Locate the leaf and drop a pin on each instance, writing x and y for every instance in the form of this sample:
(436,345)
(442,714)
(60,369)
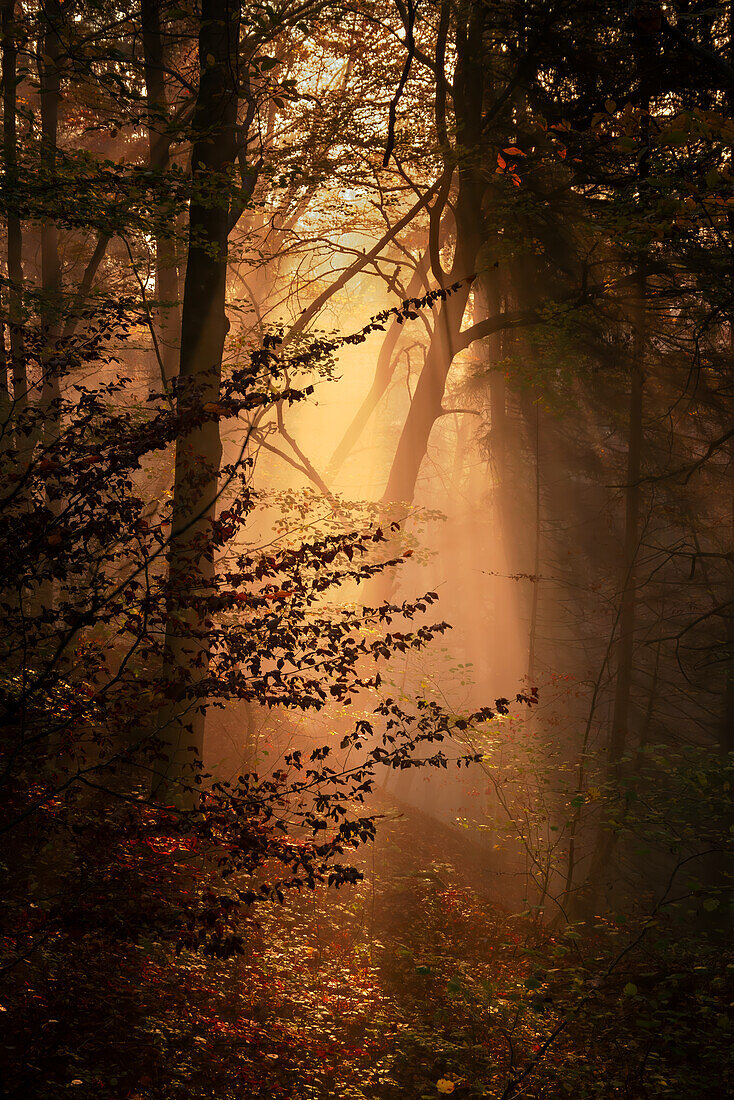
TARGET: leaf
(675,137)
(513,151)
(501,161)
(711,904)
(444,1085)
(630,990)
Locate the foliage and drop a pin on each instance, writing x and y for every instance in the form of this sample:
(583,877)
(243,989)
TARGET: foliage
(569,175)
(339,993)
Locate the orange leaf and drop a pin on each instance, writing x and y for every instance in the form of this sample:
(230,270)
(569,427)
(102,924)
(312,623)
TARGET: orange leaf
(513,151)
(501,161)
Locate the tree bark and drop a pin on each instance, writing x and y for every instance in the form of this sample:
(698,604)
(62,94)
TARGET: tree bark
(606,839)
(159,143)
(18,368)
(198,451)
(49,77)
(625,644)
(426,406)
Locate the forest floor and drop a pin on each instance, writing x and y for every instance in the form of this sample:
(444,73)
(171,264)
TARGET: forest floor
(416,982)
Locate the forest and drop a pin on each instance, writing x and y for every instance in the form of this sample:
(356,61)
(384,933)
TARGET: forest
(367,549)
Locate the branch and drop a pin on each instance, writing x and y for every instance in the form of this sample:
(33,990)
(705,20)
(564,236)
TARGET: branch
(366,258)
(410,42)
(497,323)
(707,56)
(690,470)
(308,467)
(87,279)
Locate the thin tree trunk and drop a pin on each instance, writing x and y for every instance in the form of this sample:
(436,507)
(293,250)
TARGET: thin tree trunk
(625,645)
(48,72)
(4,385)
(198,450)
(469,88)
(533,632)
(498,425)
(426,406)
(384,371)
(159,141)
(727,725)
(606,839)
(18,369)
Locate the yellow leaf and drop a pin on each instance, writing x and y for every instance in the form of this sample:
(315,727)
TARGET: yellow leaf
(444,1085)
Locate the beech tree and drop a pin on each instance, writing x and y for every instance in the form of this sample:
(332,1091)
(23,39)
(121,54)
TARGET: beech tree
(516,219)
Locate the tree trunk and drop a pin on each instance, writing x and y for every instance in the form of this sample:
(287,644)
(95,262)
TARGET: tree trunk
(198,449)
(727,725)
(533,631)
(426,406)
(15,237)
(625,644)
(384,371)
(159,142)
(48,73)
(469,87)
(606,839)
(49,78)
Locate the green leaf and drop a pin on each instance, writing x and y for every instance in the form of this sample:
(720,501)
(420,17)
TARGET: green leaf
(630,990)
(675,137)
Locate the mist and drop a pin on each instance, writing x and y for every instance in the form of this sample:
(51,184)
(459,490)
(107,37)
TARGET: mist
(367,550)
